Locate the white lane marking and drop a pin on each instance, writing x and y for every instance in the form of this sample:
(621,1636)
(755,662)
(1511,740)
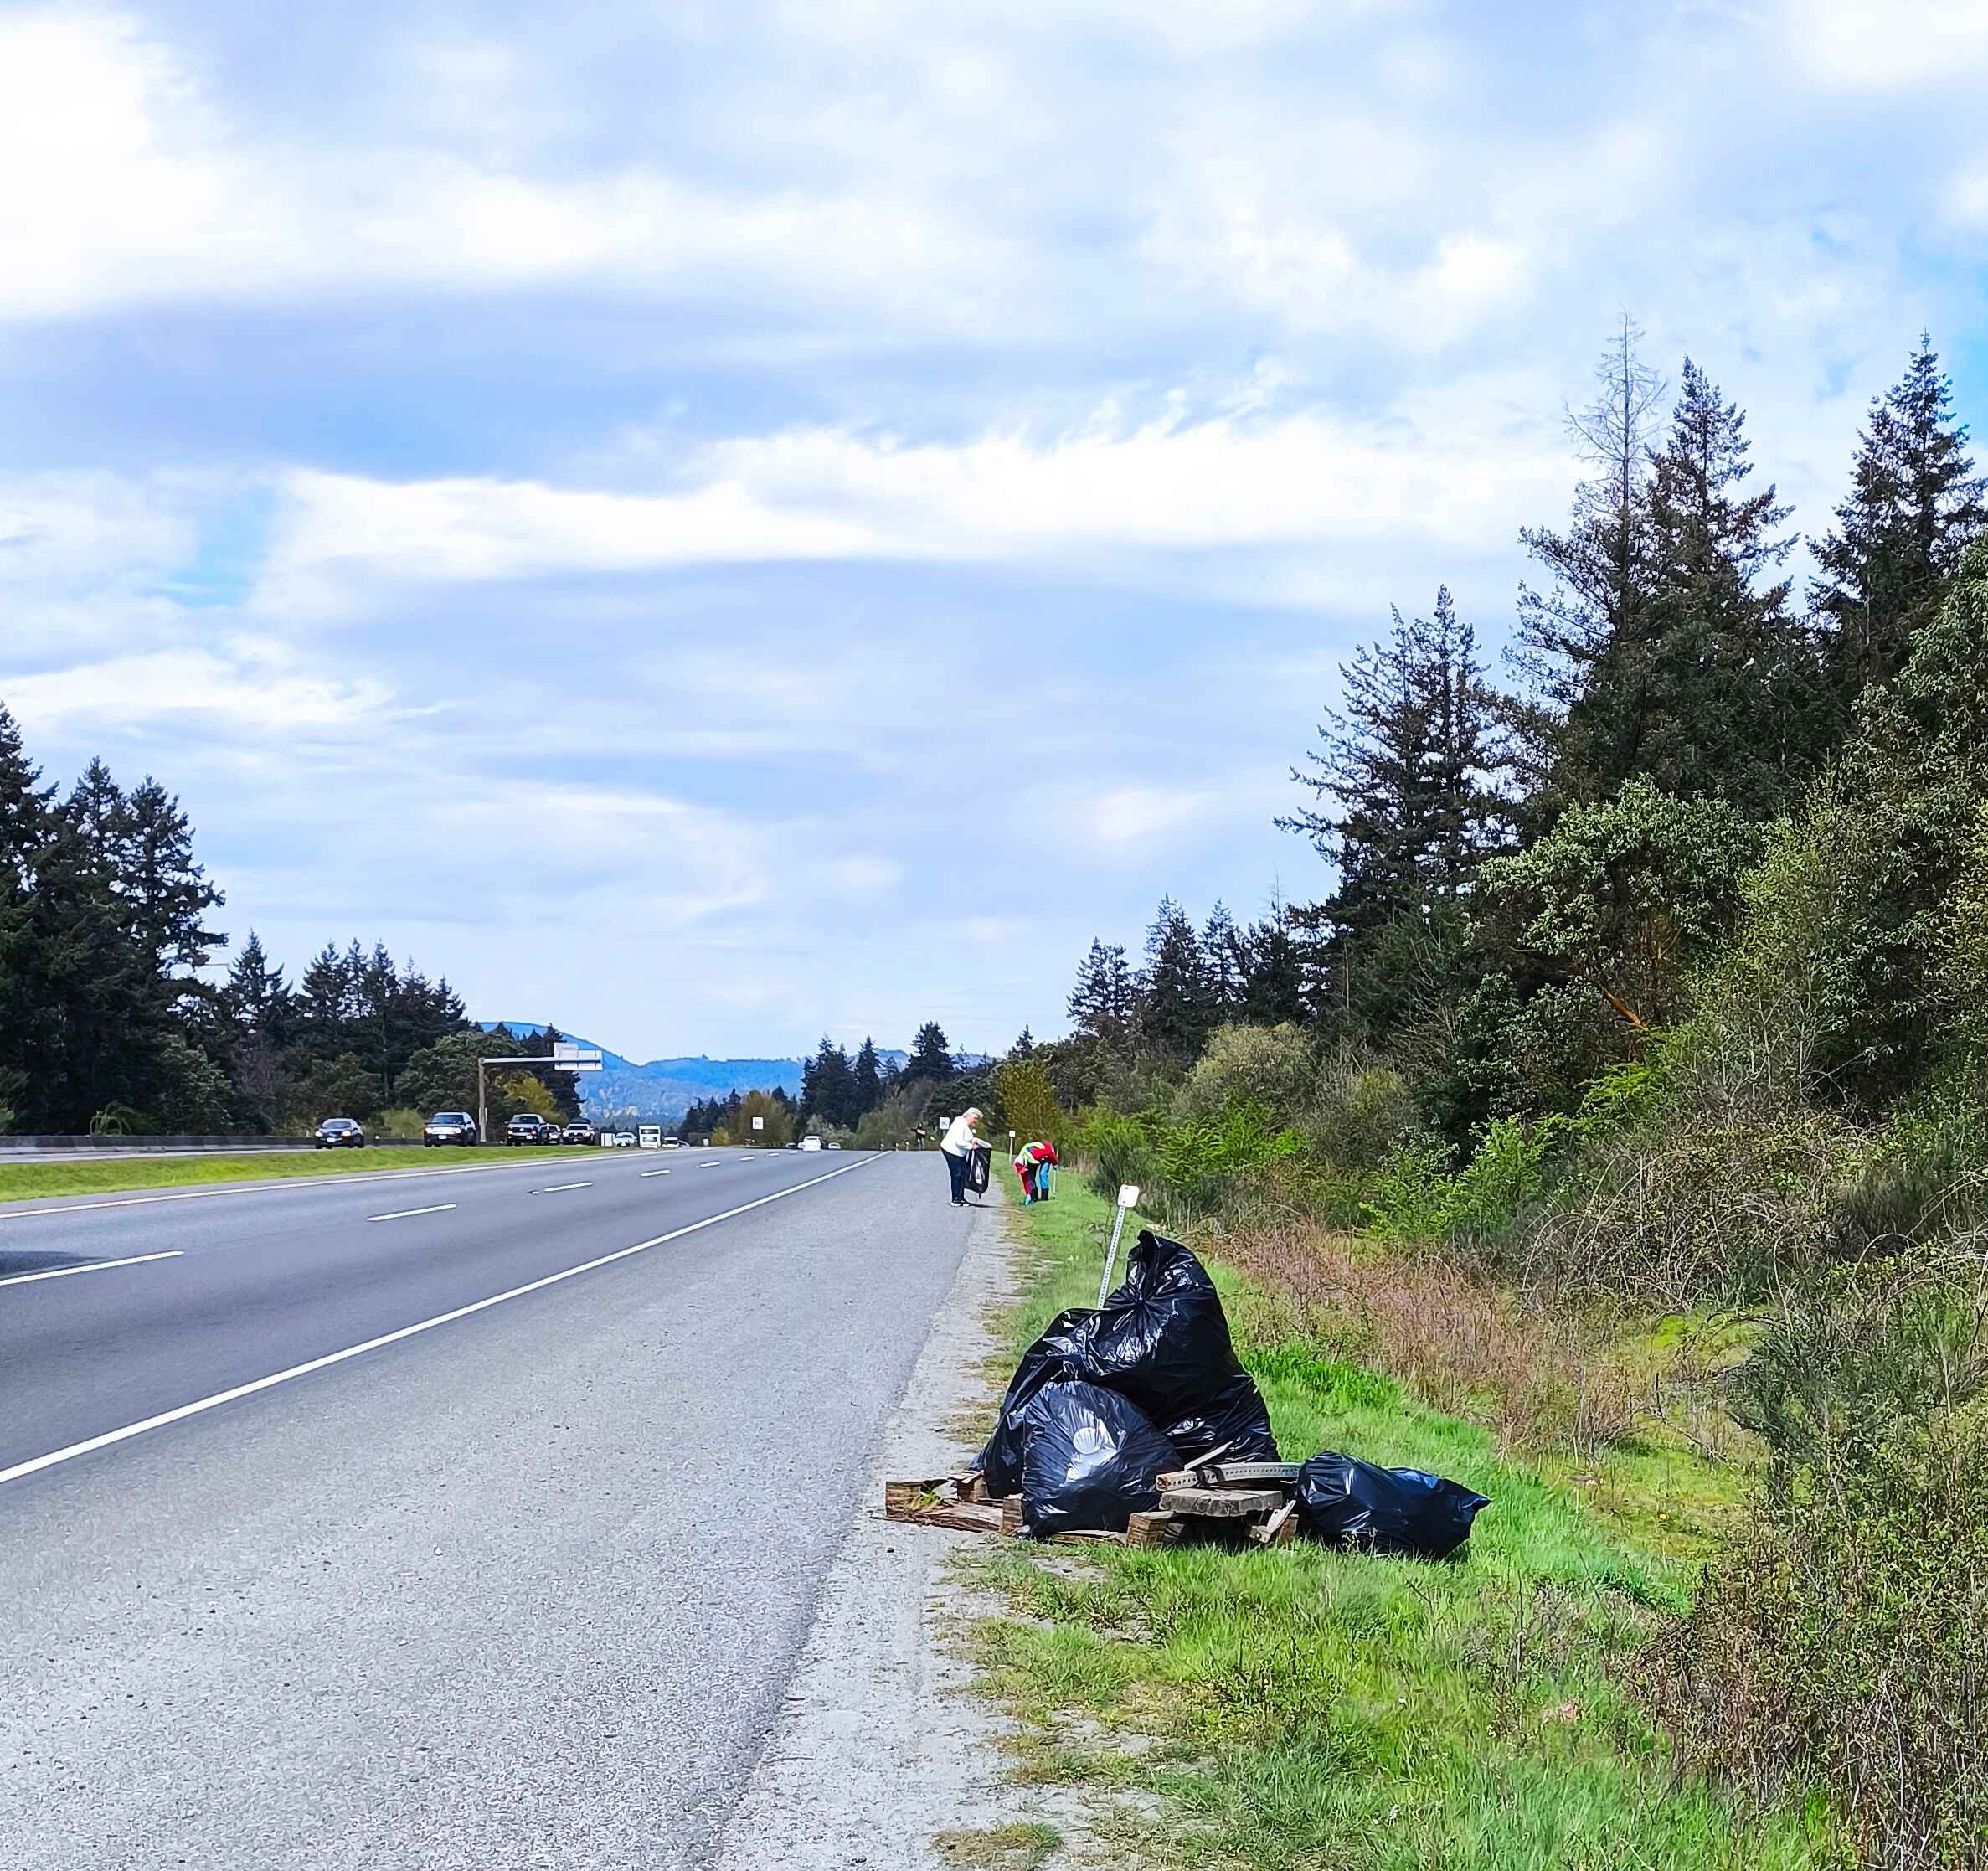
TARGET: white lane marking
(648,1173)
(560,1188)
(288,1183)
(167,1417)
(402,1215)
(91,1266)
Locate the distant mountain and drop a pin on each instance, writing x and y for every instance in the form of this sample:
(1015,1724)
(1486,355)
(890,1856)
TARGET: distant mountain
(664,1089)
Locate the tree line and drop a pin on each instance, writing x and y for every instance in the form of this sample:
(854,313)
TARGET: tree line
(1527,872)
(107,1021)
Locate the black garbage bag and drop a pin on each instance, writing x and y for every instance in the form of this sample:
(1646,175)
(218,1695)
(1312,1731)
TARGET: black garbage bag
(1161,1339)
(979,1161)
(1346,1501)
(1090,1460)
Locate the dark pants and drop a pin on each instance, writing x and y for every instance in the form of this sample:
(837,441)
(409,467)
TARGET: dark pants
(955,1167)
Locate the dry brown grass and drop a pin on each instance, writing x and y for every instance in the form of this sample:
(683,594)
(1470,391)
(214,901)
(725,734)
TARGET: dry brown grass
(1544,1379)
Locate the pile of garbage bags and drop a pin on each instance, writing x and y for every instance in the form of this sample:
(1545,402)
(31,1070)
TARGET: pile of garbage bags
(1110,1397)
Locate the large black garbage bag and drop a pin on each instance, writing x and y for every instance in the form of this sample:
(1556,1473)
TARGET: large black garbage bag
(1161,1339)
(1346,1502)
(979,1161)
(1089,1460)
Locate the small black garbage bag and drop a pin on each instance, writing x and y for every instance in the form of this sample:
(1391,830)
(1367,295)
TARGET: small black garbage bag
(1089,1460)
(1346,1501)
(1161,1339)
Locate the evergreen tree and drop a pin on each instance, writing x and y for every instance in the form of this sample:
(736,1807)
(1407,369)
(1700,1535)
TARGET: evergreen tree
(866,1081)
(1174,1005)
(931,1055)
(1274,985)
(1667,649)
(1100,1004)
(167,894)
(1407,806)
(1224,962)
(24,806)
(325,1005)
(1024,1046)
(1601,579)
(1914,503)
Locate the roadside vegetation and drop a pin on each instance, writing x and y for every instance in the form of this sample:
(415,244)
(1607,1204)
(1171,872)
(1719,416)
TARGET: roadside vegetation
(1296,1707)
(26,1182)
(1611,1137)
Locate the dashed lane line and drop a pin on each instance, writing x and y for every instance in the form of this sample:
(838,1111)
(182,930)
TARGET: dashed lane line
(35,1464)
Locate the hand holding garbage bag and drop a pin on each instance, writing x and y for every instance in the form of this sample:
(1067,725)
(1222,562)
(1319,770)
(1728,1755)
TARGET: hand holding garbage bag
(1346,1502)
(1160,1340)
(1089,1460)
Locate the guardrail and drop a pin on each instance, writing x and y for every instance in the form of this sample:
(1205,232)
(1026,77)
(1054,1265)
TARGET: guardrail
(142,1146)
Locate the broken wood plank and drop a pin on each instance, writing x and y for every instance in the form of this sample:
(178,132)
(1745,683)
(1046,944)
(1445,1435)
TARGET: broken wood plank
(965,1516)
(1083,1536)
(1281,1526)
(1010,1513)
(1223,1503)
(1157,1528)
(971,1486)
(908,1494)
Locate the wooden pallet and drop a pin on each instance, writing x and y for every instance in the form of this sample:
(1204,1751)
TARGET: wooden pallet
(1215,1499)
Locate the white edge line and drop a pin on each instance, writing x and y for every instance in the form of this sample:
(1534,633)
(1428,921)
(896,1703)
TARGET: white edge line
(266,1188)
(402,1215)
(91,1266)
(560,1188)
(166,1417)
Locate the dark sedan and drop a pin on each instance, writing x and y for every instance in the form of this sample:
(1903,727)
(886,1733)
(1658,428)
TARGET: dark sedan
(340,1133)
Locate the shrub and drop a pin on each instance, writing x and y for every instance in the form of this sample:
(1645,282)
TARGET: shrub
(1358,1111)
(1842,1640)
(1270,1067)
(401,1121)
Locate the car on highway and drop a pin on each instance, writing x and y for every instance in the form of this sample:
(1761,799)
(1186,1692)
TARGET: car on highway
(625,1140)
(448,1127)
(340,1133)
(580,1130)
(811,1141)
(672,1143)
(529,1127)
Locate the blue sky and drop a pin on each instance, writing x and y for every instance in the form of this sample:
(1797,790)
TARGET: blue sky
(711,523)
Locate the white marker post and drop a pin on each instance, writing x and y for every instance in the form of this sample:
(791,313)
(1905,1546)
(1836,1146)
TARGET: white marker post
(1128,1198)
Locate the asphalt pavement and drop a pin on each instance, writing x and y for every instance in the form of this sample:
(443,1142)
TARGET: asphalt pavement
(462,1517)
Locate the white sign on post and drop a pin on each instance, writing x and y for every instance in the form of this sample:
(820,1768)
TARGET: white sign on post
(759,1123)
(1128,1198)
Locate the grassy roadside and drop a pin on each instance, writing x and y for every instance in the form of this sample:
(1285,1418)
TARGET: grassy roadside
(24,1181)
(1299,1708)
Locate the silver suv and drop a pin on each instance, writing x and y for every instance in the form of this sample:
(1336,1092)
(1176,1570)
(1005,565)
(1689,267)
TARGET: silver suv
(448,1127)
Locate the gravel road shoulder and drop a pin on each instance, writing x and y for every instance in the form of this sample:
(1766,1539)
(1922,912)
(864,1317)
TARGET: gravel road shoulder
(880,1744)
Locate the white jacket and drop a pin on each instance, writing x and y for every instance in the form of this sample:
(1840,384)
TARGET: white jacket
(959,1137)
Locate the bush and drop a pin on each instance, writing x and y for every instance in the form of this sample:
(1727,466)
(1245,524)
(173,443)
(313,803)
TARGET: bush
(1843,1642)
(401,1123)
(1268,1067)
(1416,1197)
(1358,1111)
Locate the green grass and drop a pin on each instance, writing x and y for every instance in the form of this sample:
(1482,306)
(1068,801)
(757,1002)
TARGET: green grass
(1302,1707)
(22,1182)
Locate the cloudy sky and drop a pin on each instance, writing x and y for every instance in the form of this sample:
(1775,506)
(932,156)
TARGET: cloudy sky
(708,522)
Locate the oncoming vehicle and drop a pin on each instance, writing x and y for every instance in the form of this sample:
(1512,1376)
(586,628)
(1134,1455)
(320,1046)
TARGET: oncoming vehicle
(529,1127)
(580,1130)
(649,1135)
(811,1141)
(340,1133)
(448,1127)
(625,1140)
(672,1143)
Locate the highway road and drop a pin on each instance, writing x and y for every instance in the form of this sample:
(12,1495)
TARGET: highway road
(469,1517)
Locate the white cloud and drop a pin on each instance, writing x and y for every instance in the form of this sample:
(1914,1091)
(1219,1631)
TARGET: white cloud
(1870,45)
